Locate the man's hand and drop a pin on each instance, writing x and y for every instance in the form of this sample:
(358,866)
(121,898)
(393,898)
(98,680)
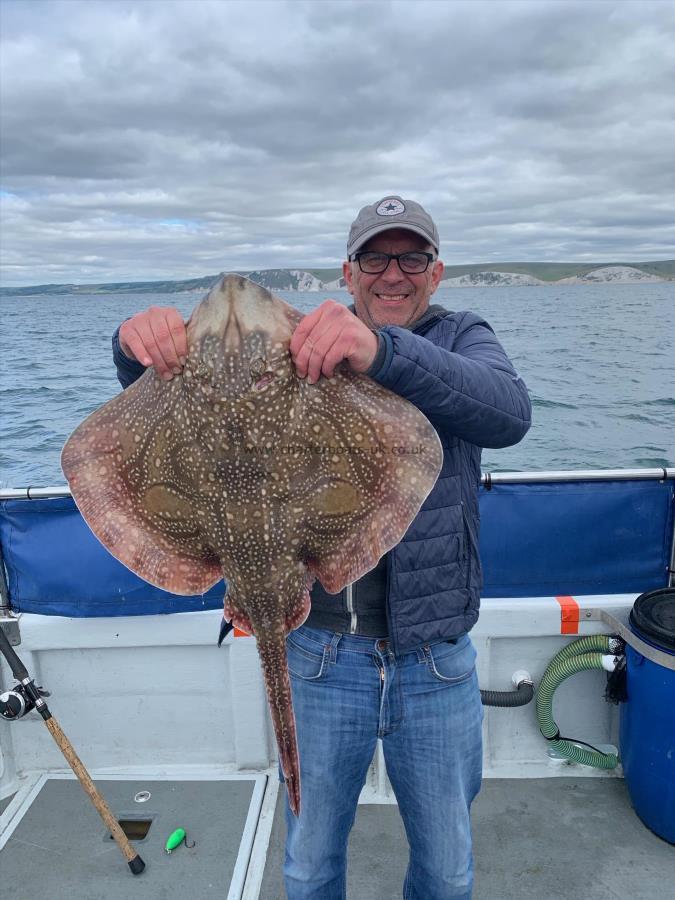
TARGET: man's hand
(328,335)
(156,337)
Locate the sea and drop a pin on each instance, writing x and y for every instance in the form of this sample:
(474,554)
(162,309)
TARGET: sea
(598,360)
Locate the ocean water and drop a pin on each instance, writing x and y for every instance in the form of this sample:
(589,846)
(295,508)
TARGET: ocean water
(599,362)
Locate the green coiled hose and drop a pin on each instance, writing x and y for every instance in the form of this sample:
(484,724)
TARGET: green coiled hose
(584,653)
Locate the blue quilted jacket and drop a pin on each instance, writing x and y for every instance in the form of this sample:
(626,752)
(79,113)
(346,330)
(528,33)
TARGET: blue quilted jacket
(459,376)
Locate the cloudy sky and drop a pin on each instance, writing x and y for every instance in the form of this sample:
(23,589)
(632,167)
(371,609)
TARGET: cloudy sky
(154,140)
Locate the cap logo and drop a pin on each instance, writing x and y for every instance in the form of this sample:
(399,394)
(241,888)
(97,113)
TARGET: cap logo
(390,208)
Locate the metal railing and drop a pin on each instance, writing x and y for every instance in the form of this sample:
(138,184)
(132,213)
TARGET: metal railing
(487,480)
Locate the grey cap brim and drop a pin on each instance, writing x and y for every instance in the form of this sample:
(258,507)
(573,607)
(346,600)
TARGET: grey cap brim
(388,226)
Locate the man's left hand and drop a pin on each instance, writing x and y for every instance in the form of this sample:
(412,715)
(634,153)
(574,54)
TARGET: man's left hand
(328,335)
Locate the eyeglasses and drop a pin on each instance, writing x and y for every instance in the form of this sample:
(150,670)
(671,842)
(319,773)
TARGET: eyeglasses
(373,262)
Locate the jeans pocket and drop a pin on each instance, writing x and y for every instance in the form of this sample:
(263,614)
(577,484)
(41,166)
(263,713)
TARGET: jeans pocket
(305,662)
(451,663)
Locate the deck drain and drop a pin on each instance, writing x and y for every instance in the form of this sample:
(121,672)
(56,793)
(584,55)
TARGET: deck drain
(135,829)
(142,796)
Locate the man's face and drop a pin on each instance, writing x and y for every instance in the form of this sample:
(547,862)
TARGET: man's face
(393,297)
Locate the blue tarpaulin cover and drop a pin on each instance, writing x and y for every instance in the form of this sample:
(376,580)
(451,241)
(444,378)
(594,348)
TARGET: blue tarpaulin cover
(56,567)
(540,539)
(580,537)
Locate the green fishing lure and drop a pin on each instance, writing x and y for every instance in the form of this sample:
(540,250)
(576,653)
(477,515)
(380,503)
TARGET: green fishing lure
(175,839)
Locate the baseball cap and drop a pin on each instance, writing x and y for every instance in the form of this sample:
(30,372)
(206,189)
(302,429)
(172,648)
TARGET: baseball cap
(391,212)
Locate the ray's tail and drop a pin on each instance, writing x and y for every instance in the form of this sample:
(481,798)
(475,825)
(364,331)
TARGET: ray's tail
(272,653)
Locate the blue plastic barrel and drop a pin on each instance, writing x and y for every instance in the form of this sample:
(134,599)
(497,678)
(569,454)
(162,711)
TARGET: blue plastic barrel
(647,717)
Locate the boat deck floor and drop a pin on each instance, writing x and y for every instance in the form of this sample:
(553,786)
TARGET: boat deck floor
(538,838)
(533,838)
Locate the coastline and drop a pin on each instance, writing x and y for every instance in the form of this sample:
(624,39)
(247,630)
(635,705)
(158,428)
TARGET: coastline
(309,281)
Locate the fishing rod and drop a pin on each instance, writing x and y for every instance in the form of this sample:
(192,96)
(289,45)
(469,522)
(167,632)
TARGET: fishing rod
(26,696)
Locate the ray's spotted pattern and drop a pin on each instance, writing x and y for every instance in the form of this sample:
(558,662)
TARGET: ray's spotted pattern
(239,469)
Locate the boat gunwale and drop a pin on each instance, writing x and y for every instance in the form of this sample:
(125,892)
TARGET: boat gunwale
(487,480)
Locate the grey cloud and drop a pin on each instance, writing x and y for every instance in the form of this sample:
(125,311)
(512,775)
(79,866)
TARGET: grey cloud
(530,130)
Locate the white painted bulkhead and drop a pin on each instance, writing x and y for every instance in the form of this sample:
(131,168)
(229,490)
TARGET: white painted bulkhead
(156,692)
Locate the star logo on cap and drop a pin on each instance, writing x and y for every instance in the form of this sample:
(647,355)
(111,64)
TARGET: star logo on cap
(390,207)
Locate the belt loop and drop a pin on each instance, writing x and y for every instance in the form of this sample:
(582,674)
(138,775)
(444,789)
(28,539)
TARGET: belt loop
(423,654)
(332,647)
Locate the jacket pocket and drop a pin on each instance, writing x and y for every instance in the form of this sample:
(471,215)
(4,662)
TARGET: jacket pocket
(470,556)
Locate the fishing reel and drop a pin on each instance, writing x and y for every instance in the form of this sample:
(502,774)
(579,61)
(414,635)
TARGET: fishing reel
(18,702)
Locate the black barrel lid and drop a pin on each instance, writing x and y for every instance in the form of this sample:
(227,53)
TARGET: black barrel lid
(653,614)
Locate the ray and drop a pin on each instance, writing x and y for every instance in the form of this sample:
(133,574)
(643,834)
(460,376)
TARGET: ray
(239,469)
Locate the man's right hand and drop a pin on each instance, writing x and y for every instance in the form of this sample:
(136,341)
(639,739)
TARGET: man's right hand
(156,337)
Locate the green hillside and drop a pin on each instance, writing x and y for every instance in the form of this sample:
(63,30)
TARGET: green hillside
(326,274)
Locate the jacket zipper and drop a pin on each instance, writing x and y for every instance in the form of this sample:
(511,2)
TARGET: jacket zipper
(349,596)
(387,605)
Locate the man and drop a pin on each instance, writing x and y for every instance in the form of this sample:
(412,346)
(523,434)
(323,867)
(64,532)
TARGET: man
(391,657)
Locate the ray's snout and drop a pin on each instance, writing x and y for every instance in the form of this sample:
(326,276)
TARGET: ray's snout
(234,308)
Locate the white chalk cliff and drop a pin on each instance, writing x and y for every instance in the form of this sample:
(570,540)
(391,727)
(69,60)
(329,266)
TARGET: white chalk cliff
(300,280)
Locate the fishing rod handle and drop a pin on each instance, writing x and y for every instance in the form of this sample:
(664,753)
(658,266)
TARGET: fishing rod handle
(15,664)
(134,861)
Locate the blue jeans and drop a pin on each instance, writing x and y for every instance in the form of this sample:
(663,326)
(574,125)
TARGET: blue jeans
(349,690)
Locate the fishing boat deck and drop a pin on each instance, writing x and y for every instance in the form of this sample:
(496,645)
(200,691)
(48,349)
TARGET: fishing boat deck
(533,838)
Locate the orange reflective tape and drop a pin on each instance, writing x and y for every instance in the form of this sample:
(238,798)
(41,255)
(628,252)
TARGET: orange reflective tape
(569,615)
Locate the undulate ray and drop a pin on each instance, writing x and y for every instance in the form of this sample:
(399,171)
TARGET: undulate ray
(238,468)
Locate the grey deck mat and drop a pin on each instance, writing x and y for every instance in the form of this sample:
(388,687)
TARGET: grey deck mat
(61,850)
(533,839)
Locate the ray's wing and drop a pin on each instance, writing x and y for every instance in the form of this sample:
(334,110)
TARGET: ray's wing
(375,458)
(130,466)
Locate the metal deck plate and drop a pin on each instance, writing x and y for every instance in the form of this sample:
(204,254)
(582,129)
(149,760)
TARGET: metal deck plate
(61,849)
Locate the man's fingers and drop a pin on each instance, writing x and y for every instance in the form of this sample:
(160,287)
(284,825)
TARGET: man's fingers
(332,359)
(309,338)
(315,362)
(301,359)
(152,349)
(328,351)
(178,332)
(303,330)
(161,330)
(132,344)
(157,337)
